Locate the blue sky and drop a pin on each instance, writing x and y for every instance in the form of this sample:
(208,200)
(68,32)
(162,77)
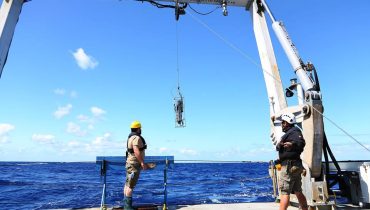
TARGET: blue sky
(79,73)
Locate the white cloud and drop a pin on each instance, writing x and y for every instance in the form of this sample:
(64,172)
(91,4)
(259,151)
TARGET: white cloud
(62,111)
(163,150)
(59,91)
(43,138)
(104,143)
(75,129)
(258,152)
(74,144)
(84,118)
(4,130)
(83,60)
(186,151)
(97,112)
(73,147)
(102,140)
(22,149)
(63,92)
(73,94)
(100,145)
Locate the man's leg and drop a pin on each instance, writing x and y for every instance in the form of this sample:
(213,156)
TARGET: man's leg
(128,198)
(131,179)
(284,202)
(285,187)
(127,191)
(302,200)
(132,176)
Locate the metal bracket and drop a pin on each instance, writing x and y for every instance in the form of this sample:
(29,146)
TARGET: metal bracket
(224,7)
(178,10)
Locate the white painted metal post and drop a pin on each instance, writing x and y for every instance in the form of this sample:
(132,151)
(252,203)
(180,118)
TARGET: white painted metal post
(271,73)
(9,14)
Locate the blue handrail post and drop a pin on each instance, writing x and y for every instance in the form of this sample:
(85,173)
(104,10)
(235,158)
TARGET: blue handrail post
(103,171)
(165,185)
(106,163)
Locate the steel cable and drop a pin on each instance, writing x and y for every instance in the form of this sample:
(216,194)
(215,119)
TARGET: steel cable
(260,67)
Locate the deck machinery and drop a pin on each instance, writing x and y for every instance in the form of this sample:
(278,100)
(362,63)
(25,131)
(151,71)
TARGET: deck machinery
(351,177)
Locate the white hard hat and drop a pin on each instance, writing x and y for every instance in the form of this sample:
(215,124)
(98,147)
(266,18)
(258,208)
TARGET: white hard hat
(289,118)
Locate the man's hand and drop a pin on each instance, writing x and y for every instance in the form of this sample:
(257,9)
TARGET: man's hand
(144,166)
(151,165)
(287,145)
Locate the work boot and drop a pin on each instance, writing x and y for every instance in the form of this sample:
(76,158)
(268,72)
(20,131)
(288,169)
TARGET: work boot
(128,203)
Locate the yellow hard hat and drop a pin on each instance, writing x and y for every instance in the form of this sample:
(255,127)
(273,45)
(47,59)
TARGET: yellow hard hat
(136,124)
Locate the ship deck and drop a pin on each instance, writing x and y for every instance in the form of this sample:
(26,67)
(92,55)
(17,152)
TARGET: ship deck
(234,206)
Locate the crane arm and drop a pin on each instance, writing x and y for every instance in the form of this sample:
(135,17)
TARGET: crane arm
(311,107)
(290,50)
(9,14)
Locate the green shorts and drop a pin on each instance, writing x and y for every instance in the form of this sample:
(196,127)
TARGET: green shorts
(290,180)
(132,175)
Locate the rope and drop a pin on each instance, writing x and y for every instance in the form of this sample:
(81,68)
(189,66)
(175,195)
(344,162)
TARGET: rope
(260,67)
(345,132)
(158,5)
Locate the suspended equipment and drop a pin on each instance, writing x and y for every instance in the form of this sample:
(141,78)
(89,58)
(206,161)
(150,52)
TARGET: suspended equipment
(178,99)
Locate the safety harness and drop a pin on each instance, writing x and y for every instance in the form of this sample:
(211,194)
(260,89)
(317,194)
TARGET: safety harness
(131,151)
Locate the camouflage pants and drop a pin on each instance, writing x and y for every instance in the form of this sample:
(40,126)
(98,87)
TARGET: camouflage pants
(132,174)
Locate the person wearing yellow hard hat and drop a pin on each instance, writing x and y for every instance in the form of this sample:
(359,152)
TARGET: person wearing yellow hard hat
(135,155)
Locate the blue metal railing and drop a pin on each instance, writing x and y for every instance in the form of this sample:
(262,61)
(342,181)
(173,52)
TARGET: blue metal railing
(106,163)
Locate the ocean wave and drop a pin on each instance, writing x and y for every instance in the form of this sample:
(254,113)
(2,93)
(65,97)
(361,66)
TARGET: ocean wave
(215,200)
(13,183)
(72,185)
(30,164)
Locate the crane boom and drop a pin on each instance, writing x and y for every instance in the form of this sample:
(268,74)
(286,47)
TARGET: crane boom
(9,14)
(310,111)
(290,50)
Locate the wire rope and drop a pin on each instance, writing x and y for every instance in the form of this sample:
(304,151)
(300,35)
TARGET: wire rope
(245,55)
(177,57)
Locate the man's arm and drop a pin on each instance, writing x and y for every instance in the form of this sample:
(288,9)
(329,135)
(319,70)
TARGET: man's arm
(298,141)
(139,157)
(278,146)
(299,144)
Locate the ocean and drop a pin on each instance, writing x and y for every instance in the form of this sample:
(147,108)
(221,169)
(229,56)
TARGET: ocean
(64,185)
